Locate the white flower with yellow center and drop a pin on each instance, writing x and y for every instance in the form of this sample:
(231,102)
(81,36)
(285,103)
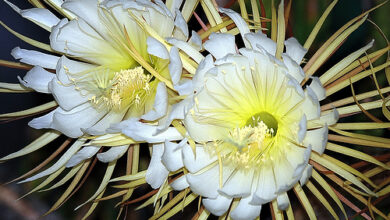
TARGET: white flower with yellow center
(104,74)
(254,125)
(250,122)
(111,85)
(114,65)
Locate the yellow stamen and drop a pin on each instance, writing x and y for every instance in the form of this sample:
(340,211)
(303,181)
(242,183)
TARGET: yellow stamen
(127,87)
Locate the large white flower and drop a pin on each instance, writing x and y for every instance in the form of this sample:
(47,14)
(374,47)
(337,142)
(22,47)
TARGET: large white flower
(113,65)
(111,69)
(110,85)
(250,119)
(254,126)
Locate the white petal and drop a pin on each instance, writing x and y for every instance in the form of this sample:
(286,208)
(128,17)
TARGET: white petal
(245,210)
(195,40)
(199,78)
(156,173)
(293,68)
(174,4)
(238,185)
(188,49)
(302,128)
(38,79)
(40,16)
(175,65)
(160,105)
(177,112)
(44,121)
(330,118)
(156,48)
(195,163)
(310,106)
(300,161)
(217,206)
(156,15)
(161,19)
(317,138)
(78,39)
(306,174)
(181,23)
(85,153)
(240,23)
(67,96)
(293,83)
(136,34)
(295,50)
(65,66)
(266,187)
(260,39)
(316,86)
(165,9)
(180,183)
(205,184)
(283,201)
(185,87)
(88,11)
(35,58)
(220,45)
(59,163)
(202,132)
(283,172)
(114,153)
(139,131)
(71,122)
(172,158)
(101,126)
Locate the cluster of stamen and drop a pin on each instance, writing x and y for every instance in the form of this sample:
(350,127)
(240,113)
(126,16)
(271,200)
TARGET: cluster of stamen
(247,144)
(127,87)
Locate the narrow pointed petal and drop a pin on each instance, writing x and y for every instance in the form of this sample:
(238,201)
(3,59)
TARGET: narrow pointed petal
(180,183)
(156,173)
(172,157)
(160,105)
(295,50)
(84,154)
(245,210)
(38,79)
(114,153)
(195,163)
(41,16)
(35,58)
(217,206)
(156,48)
(260,39)
(220,45)
(175,65)
(317,138)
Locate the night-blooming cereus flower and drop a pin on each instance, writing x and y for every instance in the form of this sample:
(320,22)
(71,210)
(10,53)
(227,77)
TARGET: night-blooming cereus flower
(111,65)
(250,123)
(257,129)
(111,84)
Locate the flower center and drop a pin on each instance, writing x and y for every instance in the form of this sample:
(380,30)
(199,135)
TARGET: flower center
(266,118)
(248,146)
(125,88)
